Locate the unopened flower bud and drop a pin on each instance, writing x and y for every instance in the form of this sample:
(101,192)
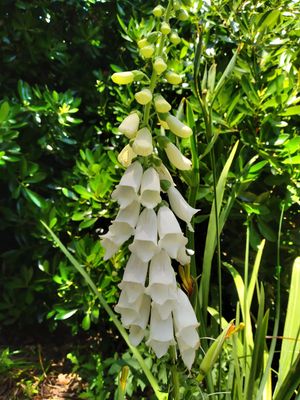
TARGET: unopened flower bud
(144,96)
(147,51)
(165,28)
(126,156)
(130,125)
(182,15)
(142,144)
(159,65)
(158,11)
(161,105)
(174,38)
(142,43)
(173,78)
(122,78)
(177,5)
(178,127)
(177,158)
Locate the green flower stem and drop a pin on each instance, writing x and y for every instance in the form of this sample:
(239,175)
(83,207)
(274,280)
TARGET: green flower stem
(153,382)
(154,75)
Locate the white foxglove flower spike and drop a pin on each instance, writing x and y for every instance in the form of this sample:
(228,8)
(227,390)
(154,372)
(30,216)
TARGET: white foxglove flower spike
(150,188)
(161,333)
(169,231)
(162,281)
(144,244)
(130,125)
(126,191)
(142,144)
(180,207)
(126,156)
(134,278)
(177,158)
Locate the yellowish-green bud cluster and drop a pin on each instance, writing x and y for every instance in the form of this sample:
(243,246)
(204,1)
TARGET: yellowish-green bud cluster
(142,43)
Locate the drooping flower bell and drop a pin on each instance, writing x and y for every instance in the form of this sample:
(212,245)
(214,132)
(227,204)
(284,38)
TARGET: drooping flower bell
(150,188)
(130,125)
(180,206)
(142,144)
(177,158)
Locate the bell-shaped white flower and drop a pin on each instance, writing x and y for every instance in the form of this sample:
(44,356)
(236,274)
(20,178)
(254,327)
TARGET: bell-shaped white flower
(173,78)
(161,105)
(180,207)
(111,244)
(134,278)
(177,158)
(150,188)
(137,329)
(144,244)
(161,332)
(185,323)
(129,311)
(126,156)
(170,234)
(129,214)
(126,191)
(130,125)
(120,231)
(142,144)
(177,127)
(162,281)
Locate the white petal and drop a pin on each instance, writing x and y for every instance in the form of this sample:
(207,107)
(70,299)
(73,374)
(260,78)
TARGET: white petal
(177,158)
(136,335)
(145,240)
(180,207)
(142,144)
(144,312)
(150,189)
(164,174)
(162,281)
(178,127)
(187,355)
(126,191)
(130,125)
(129,311)
(165,309)
(133,282)
(110,244)
(130,214)
(161,333)
(182,257)
(126,156)
(184,315)
(171,236)
(120,231)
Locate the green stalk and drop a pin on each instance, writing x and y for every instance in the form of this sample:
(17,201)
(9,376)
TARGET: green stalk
(153,382)
(175,375)
(246,281)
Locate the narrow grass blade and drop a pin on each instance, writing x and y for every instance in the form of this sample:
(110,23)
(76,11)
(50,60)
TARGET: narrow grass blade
(290,348)
(211,239)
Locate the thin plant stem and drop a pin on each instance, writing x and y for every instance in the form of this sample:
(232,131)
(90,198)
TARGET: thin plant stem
(175,375)
(153,382)
(246,279)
